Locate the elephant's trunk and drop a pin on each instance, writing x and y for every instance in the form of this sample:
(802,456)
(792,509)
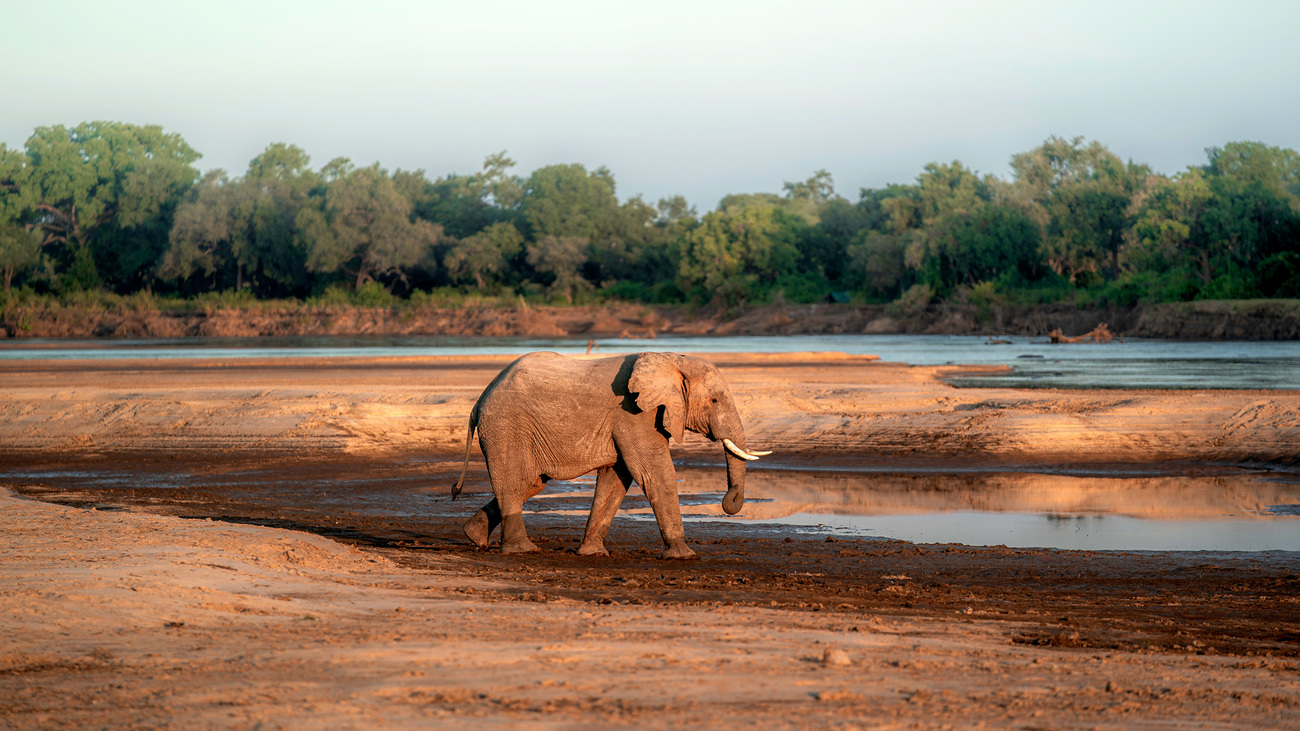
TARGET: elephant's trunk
(725,427)
(735,497)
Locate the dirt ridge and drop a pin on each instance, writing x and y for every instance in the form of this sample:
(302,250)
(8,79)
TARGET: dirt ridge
(1226,320)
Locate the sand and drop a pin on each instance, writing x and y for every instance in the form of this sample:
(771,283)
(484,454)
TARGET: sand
(804,405)
(263,607)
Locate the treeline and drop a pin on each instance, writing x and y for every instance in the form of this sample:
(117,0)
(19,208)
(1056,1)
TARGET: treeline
(122,208)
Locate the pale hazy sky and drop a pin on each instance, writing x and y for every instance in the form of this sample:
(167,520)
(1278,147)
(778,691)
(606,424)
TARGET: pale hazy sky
(699,98)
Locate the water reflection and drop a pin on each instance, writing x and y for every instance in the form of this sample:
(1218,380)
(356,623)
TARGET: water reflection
(1236,511)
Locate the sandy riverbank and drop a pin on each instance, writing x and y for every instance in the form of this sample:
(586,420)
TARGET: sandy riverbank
(268,603)
(804,405)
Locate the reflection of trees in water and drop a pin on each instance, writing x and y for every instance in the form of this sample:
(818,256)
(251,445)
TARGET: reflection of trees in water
(1161,498)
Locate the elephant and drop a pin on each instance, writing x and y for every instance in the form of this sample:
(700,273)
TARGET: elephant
(547,416)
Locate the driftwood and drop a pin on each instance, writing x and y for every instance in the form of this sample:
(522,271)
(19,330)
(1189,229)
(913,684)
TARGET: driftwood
(1099,334)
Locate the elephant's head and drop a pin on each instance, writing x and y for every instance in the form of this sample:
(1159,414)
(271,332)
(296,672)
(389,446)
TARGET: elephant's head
(695,397)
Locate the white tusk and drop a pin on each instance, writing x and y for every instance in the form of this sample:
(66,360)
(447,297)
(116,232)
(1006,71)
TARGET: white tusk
(731,447)
(761,454)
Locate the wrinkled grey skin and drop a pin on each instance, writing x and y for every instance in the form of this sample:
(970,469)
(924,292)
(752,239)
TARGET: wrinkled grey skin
(550,417)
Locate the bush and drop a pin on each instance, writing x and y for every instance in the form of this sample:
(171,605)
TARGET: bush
(659,293)
(913,302)
(800,287)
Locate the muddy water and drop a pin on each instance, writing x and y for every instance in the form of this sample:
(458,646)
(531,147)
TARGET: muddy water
(1231,510)
(1197,509)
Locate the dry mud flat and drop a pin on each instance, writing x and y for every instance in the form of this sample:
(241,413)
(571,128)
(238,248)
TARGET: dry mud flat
(267,604)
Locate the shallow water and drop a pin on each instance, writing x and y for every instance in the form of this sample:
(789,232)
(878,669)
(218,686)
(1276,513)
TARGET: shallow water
(1205,509)
(1231,511)
(1035,363)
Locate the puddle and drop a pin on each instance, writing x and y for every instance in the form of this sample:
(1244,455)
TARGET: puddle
(1237,511)
(1201,508)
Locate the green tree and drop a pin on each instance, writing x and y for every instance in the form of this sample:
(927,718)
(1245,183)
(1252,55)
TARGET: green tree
(875,208)
(740,201)
(988,243)
(1171,225)
(940,190)
(20,244)
(731,254)
(485,257)
(267,249)
(202,233)
(1255,212)
(566,200)
(672,210)
(562,258)
(1090,219)
(1233,224)
(364,230)
(244,232)
(466,204)
(20,249)
(877,264)
(1275,169)
(101,174)
(807,198)
(1081,196)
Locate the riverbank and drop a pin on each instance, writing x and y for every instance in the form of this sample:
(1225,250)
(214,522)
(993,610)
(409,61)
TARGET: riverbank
(1226,320)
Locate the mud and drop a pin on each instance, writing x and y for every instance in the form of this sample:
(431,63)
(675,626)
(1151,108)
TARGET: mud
(1201,603)
(210,545)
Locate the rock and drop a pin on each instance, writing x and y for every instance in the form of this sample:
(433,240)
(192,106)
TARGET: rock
(836,695)
(836,658)
(1113,687)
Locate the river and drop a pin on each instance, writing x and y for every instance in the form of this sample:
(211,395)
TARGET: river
(1034,362)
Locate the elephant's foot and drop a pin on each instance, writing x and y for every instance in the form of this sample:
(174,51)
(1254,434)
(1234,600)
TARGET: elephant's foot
(477,529)
(679,551)
(522,546)
(592,549)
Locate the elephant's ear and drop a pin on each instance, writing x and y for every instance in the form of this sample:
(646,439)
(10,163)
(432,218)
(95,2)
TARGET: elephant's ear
(656,380)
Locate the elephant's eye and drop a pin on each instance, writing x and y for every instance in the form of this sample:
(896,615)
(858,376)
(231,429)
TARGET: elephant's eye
(715,401)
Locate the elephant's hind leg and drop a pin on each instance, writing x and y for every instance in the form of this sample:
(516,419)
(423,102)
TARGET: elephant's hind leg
(514,538)
(611,486)
(479,528)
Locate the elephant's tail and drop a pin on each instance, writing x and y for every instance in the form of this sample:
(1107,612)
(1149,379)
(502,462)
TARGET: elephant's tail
(469,440)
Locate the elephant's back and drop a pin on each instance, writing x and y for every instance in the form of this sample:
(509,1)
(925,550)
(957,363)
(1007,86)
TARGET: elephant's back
(548,384)
(548,372)
(554,412)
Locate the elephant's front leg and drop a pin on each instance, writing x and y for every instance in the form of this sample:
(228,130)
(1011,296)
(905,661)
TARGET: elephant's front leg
(659,480)
(611,486)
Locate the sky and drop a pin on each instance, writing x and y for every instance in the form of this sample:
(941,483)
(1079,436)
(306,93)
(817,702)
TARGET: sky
(695,98)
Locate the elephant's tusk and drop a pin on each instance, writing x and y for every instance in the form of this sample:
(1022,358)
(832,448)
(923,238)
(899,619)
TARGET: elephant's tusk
(756,453)
(731,447)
